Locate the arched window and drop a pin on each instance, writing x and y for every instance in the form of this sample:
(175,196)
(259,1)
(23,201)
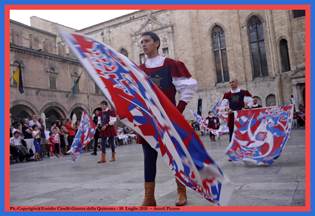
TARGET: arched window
(124,52)
(284,55)
(258,100)
(271,100)
(257,45)
(220,55)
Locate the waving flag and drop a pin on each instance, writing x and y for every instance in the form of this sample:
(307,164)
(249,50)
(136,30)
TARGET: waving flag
(224,129)
(201,121)
(203,126)
(260,134)
(221,131)
(84,135)
(219,112)
(140,105)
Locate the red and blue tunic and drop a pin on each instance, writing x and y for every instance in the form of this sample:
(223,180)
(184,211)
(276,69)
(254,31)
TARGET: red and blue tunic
(213,122)
(236,102)
(162,77)
(110,130)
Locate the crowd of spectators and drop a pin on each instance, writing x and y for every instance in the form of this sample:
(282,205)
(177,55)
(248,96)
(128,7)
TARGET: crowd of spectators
(33,141)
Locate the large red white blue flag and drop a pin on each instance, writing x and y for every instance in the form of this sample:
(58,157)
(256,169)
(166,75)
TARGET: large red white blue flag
(84,135)
(260,134)
(143,107)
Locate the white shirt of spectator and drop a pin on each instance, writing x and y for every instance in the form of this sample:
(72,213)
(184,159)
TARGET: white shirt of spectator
(47,134)
(32,123)
(36,132)
(16,141)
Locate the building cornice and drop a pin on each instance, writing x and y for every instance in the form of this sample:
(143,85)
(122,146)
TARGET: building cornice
(32,28)
(41,54)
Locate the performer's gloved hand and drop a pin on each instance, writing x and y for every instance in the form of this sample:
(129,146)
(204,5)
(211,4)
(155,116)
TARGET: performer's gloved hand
(181,106)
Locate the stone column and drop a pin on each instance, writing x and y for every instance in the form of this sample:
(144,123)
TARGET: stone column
(295,96)
(298,94)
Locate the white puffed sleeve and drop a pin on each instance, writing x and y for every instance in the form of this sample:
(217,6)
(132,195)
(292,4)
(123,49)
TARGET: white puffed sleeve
(99,120)
(248,101)
(112,120)
(186,86)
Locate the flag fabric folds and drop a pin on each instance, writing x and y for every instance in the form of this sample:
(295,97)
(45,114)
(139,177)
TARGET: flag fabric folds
(203,126)
(201,121)
(219,112)
(143,107)
(260,134)
(17,76)
(224,129)
(84,135)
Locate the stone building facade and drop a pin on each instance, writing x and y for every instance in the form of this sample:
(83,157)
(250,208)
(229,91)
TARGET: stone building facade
(263,49)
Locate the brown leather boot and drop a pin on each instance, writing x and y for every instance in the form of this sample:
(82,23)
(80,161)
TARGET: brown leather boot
(113,157)
(181,194)
(149,199)
(103,160)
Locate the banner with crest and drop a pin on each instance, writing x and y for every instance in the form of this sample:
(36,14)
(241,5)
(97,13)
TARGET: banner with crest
(260,135)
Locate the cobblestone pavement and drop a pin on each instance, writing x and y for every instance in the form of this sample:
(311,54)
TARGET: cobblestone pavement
(58,182)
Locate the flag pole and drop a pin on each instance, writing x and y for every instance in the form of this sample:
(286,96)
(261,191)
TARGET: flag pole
(17,67)
(72,86)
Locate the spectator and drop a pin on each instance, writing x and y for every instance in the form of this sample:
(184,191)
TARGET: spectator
(300,120)
(43,141)
(19,129)
(53,125)
(71,132)
(303,118)
(47,132)
(34,121)
(294,123)
(12,129)
(36,136)
(63,134)
(76,126)
(97,132)
(28,138)
(56,141)
(47,136)
(255,104)
(51,145)
(301,108)
(292,100)
(16,142)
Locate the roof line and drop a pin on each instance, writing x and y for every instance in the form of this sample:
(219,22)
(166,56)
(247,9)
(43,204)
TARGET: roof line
(33,28)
